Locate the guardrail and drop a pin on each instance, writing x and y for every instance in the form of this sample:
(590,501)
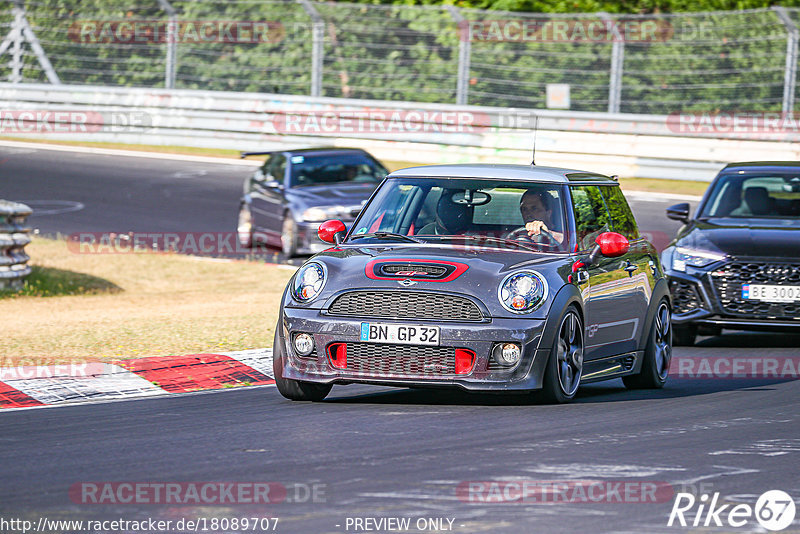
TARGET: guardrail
(647,146)
(13,238)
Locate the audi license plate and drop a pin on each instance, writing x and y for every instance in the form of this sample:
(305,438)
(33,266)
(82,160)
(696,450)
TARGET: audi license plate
(770,293)
(400,333)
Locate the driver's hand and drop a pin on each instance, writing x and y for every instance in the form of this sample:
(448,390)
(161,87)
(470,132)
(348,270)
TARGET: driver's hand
(535,227)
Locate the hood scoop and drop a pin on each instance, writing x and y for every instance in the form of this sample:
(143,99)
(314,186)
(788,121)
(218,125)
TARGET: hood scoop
(414,269)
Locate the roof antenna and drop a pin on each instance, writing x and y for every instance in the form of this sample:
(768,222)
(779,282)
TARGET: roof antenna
(535,129)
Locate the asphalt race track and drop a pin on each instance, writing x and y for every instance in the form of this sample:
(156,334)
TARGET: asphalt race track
(372,452)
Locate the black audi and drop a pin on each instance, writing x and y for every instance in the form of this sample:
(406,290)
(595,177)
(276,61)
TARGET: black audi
(287,198)
(503,278)
(736,263)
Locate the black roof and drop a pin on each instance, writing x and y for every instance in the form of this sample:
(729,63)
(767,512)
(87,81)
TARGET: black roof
(761,165)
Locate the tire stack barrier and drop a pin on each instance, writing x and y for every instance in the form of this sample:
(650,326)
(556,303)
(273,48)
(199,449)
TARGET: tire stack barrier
(14,235)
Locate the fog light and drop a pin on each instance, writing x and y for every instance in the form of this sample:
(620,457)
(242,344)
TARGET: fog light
(303,344)
(507,354)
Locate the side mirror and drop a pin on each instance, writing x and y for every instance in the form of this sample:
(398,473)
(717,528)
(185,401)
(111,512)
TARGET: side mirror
(679,212)
(272,183)
(332,231)
(610,245)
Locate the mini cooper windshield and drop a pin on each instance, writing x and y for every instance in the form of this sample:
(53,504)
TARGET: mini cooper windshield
(493,213)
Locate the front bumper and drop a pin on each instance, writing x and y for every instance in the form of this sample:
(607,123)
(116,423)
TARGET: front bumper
(478,337)
(697,301)
(308,242)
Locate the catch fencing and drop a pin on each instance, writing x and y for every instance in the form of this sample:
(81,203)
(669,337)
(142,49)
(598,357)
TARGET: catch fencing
(13,238)
(646,146)
(648,64)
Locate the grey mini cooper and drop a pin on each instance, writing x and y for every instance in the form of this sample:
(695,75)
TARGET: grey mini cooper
(495,278)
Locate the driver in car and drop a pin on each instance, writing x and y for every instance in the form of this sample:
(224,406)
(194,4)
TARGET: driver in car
(536,207)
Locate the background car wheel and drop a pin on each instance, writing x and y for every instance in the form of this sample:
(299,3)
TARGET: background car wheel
(684,335)
(564,369)
(245,227)
(294,389)
(289,236)
(657,354)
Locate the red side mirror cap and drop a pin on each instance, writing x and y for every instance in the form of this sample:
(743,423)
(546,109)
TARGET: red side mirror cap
(332,231)
(612,244)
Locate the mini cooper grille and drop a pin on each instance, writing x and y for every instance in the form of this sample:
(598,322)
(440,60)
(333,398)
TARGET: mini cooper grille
(400,360)
(405,305)
(729,278)
(432,270)
(684,296)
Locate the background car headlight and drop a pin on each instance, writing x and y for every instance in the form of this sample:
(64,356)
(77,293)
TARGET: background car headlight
(331,212)
(308,282)
(683,256)
(523,292)
(319,214)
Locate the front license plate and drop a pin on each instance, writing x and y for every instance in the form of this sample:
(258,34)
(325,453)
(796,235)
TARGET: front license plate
(400,333)
(770,293)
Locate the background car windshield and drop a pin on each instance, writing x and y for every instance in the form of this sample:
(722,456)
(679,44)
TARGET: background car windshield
(327,169)
(433,207)
(755,196)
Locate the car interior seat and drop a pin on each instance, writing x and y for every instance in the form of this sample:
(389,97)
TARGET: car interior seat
(758,200)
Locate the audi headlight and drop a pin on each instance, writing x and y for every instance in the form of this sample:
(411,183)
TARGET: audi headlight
(683,256)
(308,282)
(523,291)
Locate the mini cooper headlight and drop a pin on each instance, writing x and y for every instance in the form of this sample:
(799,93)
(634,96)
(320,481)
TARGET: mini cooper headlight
(523,291)
(308,282)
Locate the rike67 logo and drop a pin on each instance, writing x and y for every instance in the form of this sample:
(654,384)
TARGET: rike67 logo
(774,510)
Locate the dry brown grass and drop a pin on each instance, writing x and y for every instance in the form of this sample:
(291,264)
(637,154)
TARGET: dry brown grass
(142,304)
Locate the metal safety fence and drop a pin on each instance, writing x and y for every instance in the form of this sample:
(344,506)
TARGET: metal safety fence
(13,238)
(654,64)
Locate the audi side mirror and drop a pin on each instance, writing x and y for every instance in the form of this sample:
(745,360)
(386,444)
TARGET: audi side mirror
(679,212)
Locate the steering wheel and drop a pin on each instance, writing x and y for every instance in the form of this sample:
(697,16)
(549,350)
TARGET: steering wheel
(544,237)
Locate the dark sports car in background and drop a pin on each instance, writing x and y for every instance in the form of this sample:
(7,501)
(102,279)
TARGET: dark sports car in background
(736,263)
(502,278)
(287,198)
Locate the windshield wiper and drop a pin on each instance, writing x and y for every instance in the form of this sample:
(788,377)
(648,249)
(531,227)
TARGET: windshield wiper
(387,235)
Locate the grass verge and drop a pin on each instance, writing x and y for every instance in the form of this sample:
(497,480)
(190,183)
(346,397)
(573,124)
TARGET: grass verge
(81,307)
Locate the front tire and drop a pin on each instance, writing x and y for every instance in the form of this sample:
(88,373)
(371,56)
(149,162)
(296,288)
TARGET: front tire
(564,368)
(294,389)
(244,228)
(657,354)
(289,236)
